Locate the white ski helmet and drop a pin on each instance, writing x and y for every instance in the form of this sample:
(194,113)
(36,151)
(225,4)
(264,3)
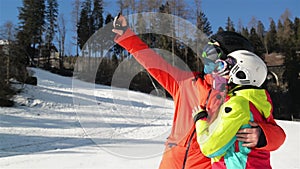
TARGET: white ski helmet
(249,69)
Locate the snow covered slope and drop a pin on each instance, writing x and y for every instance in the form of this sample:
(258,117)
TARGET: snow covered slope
(66,123)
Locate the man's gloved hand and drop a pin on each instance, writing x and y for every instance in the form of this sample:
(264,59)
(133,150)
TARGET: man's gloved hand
(200,118)
(120,24)
(199,113)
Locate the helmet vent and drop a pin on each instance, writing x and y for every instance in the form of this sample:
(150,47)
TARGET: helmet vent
(241,75)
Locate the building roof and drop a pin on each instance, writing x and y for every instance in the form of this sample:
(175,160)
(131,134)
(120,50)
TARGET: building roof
(274,59)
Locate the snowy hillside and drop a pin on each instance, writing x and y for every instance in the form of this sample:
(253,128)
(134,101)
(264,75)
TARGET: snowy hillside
(66,123)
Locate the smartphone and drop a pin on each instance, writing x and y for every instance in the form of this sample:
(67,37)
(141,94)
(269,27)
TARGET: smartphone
(117,23)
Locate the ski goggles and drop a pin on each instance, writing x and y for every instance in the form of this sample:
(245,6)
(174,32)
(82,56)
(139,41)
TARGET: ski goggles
(221,67)
(217,67)
(213,52)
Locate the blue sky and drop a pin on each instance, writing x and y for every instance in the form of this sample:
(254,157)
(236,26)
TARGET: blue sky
(216,11)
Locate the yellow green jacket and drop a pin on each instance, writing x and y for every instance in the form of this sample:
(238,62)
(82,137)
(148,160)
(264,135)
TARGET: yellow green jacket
(218,141)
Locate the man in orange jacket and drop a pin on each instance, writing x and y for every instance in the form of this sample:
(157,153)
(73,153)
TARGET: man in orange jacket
(188,90)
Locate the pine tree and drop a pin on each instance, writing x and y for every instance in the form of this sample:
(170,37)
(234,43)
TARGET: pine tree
(297,33)
(6,91)
(6,65)
(32,22)
(229,25)
(296,89)
(203,23)
(279,35)
(256,42)
(291,63)
(51,14)
(75,19)
(261,34)
(271,40)
(96,20)
(245,32)
(13,64)
(260,29)
(287,37)
(61,38)
(220,29)
(84,30)
(97,14)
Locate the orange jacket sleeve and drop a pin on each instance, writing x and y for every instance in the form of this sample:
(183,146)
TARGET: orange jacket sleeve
(275,135)
(167,75)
